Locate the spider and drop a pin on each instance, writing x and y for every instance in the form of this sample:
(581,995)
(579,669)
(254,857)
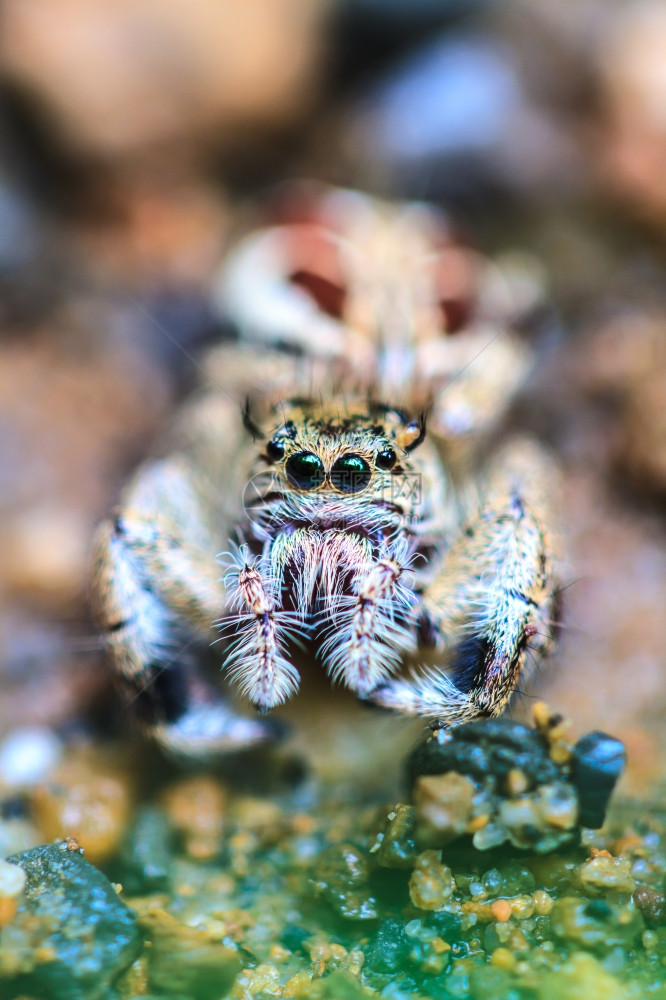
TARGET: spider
(365,503)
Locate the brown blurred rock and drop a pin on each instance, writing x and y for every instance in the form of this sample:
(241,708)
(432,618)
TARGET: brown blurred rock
(197,808)
(76,405)
(121,78)
(624,361)
(632,55)
(86,800)
(139,232)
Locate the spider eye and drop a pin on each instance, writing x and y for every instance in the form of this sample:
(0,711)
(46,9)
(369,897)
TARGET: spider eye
(386,458)
(305,470)
(275,449)
(350,474)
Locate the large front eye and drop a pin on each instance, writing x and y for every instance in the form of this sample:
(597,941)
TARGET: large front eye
(350,474)
(305,470)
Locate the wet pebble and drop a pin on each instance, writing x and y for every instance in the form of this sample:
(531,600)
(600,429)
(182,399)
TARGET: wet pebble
(431,884)
(341,878)
(652,904)
(389,948)
(12,880)
(72,935)
(85,800)
(604,873)
(443,805)
(28,755)
(185,960)
(595,924)
(197,807)
(396,846)
(596,764)
(500,781)
(582,977)
(145,857)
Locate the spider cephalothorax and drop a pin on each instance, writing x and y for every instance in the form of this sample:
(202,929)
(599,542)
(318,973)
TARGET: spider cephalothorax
(331,533)
(337,519)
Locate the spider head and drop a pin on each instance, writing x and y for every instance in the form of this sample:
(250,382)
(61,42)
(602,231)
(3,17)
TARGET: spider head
(359,451)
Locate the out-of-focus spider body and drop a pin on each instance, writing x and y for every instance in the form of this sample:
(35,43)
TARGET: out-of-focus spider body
(338,519)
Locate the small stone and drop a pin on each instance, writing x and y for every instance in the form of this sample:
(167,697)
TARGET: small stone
(183,959)
(560,751)
(543,903)
(492,835)
(12,880)
(650,940)
(145,856)
(607,874)
(516,782)
(519,815)
(503,959)
(501,910)
(492,882)
(594,924)
(597,762)
(397,848)
(341,878)
(28,755)
(72,935)
(430,955)
(517,878)
(652,904)
(557,804)
(431,884)
(85,800)
(389,947)
(197,809)
(447,924)
(443,806)
(582,977)
(541,820)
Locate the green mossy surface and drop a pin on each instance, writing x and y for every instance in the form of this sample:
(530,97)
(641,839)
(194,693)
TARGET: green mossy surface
(313,914)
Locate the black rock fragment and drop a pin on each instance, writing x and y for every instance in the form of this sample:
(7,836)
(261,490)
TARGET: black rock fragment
(596,764)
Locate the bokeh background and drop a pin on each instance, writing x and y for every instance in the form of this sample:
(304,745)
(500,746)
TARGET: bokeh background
(133,135)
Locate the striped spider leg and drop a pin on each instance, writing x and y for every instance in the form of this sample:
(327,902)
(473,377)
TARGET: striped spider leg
(157,592)
(492,599)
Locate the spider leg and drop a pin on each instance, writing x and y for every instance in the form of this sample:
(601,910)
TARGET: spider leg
(156,593)
(492,598)
(368,632)
(256,660)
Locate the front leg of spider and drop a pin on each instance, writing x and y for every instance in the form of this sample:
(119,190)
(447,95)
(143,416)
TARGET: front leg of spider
(491,602)
(157,594)
(368,639)
(256,659)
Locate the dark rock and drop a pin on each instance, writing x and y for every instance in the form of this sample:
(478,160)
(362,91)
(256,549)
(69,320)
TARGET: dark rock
(652,904)
(341,878)
(597,763)
(146,857)
(398,848)
(294,938)
(388,948)
(448,925)
(482,750)
(184,961)
(73,915)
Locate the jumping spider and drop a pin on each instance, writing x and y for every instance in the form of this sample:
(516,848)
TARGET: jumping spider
(336,516)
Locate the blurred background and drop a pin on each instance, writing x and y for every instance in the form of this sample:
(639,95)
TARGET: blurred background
(134,133)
